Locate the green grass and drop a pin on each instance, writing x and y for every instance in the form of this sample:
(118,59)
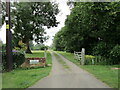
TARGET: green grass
(21,78)
(35,54)
(0,80)
(40,54)
(102,72)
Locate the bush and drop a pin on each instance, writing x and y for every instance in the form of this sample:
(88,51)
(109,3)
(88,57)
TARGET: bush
(3,47)
(115,54)
(18,59)
(102,49)
(100,60)
(89,59)
(43,48)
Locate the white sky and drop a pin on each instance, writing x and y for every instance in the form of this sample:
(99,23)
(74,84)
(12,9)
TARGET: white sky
(64,11)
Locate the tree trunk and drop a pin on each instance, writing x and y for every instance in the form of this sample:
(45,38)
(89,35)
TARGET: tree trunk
(28,48)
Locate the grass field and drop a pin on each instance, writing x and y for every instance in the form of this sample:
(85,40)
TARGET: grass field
(23,78)
(102,72)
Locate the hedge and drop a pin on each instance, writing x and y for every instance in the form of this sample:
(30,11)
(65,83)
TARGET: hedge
(18,59)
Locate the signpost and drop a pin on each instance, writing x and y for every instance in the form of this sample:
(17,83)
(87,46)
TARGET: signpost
(8,38)
(45,53)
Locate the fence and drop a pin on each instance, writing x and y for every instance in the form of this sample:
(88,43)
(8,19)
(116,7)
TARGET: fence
(80,56)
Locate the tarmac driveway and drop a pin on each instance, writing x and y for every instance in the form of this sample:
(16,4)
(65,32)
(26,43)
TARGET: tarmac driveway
(72,77)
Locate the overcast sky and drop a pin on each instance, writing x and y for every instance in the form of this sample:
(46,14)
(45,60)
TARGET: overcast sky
(64,11)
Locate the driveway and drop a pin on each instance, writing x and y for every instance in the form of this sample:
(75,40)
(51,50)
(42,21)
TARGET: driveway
(70,77)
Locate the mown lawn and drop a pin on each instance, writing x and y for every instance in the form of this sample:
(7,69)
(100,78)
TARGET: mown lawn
(104,73)
(23,78)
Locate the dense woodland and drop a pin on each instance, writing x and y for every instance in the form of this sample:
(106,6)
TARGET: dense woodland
(94,26)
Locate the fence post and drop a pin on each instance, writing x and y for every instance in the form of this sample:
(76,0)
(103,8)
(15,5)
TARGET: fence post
(74,55)
(83,56)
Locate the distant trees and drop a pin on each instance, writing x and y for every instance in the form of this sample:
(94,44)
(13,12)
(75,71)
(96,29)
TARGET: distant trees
(92,25)
(39,47)
(28,20)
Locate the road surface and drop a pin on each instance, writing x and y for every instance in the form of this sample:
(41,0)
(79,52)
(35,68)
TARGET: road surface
(68,77)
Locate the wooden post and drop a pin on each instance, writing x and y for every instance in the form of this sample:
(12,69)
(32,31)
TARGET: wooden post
(9,59)
(83,56)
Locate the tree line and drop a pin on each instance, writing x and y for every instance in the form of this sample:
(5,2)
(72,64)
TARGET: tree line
(94,26)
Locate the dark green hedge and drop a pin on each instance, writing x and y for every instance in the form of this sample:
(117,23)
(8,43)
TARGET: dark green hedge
(115,55)
(18,59)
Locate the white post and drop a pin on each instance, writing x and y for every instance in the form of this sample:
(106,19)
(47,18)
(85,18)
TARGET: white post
(74,55)
(83,56)
(45,53)
(92,61)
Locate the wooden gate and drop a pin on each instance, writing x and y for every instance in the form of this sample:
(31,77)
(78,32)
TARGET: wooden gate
(80,56)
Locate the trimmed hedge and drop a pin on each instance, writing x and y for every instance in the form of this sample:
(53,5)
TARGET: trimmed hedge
(18,59)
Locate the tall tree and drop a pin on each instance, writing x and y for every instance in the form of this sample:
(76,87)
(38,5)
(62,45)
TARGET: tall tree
(2,13)
(90,23)
(29,18)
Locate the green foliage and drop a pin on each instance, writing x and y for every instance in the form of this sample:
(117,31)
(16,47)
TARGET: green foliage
(43,47)
(3,47)
(59,43)
(18,59)
(115,54)
(2,15)
(89,59)
(39,47)
(102,49)
(21,47)
(110,54)
(94,26)
(28,20)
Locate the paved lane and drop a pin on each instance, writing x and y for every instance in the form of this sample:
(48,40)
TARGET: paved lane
(72,77)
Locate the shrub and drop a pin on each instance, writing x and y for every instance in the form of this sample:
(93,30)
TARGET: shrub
(43,47)
(115,54)
(3,47)
(100,60)
(96,60)
(102,49)
(18,59)
(89,59)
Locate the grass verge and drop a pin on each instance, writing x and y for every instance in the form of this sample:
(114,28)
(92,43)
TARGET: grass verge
(0,81)
(21,78)
(104,73)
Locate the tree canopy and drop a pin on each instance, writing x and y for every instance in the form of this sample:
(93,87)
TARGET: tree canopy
(28,20)
(91,25)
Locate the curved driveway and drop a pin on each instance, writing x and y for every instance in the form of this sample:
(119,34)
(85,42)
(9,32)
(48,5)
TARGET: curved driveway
(72,77)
